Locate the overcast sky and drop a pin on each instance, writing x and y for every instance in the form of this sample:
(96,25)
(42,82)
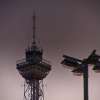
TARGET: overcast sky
(70,27)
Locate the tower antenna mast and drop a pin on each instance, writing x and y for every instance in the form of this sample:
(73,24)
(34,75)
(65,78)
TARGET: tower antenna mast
(34,28)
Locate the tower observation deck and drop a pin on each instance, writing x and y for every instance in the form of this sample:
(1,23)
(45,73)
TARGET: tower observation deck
(33,68)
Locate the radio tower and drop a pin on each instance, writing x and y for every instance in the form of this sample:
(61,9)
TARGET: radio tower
(33,69)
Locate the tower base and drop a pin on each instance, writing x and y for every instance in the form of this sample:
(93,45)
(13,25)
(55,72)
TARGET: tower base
(33,90)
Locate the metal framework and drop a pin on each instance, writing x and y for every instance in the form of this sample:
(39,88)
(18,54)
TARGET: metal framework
(33,90)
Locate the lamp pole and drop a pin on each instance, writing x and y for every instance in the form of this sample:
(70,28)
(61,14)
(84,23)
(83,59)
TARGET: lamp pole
(81,67)
(85,81)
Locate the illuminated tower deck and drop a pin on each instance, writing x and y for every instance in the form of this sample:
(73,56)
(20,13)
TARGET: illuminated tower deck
(33,69)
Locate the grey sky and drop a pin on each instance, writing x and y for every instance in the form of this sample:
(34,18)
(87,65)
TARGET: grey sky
(69,27)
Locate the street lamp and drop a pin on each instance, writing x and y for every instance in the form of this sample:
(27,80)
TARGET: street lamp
(80,67)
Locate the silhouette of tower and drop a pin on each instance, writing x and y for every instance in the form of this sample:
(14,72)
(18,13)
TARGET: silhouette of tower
(33,69)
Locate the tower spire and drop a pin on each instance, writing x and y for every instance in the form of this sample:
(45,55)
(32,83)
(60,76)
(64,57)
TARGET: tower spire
(34,28)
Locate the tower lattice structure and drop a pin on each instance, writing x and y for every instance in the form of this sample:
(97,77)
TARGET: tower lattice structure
(33,68)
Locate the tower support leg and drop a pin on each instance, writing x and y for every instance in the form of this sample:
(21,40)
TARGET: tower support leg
(33,90)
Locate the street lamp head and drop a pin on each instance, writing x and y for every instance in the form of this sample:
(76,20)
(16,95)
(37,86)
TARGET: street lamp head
(96,67)
(70,61)
(78,66)
(78,71)
(93,58)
